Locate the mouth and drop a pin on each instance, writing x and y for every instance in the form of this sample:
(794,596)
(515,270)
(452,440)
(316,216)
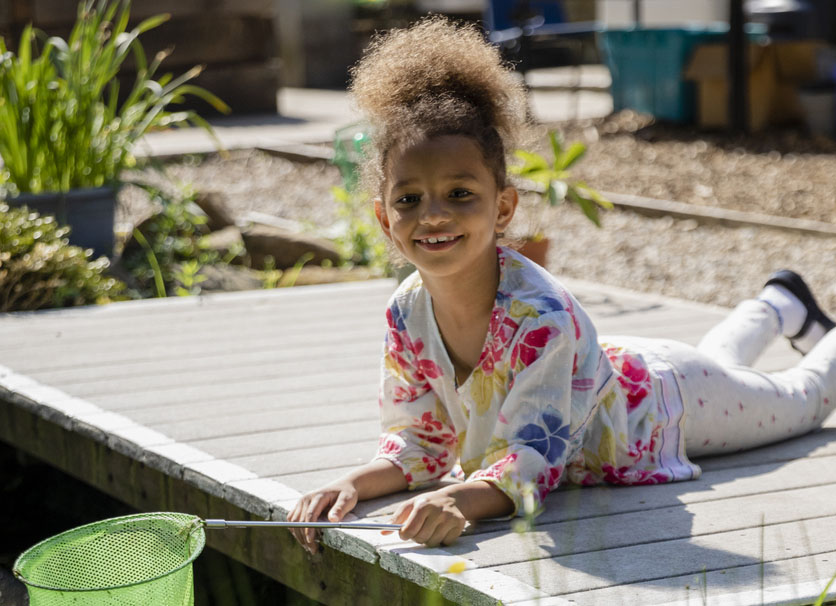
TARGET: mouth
(439,242)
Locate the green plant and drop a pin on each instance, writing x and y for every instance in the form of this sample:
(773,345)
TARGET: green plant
(170,247)
(62,124)
(360,241)
(555,179)
(39,270)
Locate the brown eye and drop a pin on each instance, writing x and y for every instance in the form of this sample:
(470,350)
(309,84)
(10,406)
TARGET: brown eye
(460,193)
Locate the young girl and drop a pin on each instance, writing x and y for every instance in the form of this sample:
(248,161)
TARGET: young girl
(490,363)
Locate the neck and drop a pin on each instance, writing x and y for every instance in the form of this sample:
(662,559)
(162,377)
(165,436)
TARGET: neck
(461,298)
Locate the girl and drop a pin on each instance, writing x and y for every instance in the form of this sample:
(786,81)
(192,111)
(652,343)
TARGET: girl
(490,363)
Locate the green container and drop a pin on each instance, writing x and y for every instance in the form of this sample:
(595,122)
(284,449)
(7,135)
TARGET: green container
(646,66)
(137,560)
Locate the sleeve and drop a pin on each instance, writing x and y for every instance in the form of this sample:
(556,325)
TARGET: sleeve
(532,434)
(417,434)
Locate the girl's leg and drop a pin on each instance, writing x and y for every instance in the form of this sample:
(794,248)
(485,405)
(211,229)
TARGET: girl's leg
(743,335)
(731,408)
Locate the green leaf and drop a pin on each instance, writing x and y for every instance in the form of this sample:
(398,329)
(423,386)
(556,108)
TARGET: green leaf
(556,141)
(587,206)
(531,162)
(570,156)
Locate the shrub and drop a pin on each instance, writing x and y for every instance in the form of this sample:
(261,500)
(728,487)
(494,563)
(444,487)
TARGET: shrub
(39,269)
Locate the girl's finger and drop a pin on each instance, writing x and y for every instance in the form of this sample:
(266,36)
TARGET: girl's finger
(401,513)
(414,522)
(340,508)
(454,534)
(312,515)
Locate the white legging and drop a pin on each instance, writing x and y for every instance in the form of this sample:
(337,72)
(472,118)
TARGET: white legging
(728,405)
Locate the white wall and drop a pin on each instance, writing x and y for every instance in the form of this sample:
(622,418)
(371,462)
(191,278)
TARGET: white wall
(662,13)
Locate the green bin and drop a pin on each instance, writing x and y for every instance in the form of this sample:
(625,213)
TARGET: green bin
(646,66)
(137,560)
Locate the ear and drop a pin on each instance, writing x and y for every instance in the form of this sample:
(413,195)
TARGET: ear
(506,207)
(382,217)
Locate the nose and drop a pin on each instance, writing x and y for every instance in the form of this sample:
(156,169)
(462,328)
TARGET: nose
(434,211)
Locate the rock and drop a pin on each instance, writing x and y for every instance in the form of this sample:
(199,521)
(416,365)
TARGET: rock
(285,247)
(225,241)
(214,205)
(222,277)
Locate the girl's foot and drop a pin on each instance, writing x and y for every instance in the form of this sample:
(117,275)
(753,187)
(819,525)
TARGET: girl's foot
(803,321)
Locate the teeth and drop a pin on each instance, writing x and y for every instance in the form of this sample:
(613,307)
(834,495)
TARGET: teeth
(440,239)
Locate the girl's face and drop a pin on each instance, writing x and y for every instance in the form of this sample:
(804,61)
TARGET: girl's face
(441,206)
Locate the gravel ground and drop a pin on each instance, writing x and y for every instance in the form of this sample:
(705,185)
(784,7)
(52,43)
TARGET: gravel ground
(781,173)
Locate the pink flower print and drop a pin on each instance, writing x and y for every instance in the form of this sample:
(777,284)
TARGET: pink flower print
(627,475)
(531,345)
(428,423)
(635,380)
(546,482)
(390,445)
(496,470)
(434,463)
(409,393)
(428,368)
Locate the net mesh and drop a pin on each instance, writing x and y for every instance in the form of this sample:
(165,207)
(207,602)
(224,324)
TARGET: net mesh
(133,560)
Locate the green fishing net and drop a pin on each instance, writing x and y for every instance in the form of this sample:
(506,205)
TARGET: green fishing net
(137,560)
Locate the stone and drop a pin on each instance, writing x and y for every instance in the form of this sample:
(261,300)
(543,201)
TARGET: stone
(213,204)
(285,247)
(225,241)
(326,275)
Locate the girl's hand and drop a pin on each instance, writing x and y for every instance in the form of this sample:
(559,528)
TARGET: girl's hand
(340,497)
(432,519)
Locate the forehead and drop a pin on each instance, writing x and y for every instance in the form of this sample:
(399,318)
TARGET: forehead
(442,156)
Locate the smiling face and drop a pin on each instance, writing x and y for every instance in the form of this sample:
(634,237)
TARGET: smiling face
(442,207)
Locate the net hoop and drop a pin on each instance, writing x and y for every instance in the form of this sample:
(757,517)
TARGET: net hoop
(197,525)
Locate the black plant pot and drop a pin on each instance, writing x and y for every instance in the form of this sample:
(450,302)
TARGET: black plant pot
(88,211)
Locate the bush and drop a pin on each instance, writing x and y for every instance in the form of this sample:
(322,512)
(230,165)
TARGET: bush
(39,269)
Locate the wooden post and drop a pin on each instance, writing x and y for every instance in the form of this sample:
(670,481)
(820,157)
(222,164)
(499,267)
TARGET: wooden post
(738,72)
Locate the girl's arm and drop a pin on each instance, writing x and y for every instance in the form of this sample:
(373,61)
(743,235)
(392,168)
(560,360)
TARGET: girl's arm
(374,479)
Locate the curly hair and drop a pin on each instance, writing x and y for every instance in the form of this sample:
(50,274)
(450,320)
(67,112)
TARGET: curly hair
(438,78)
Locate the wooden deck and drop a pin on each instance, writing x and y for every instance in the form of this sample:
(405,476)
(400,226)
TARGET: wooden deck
(231,405)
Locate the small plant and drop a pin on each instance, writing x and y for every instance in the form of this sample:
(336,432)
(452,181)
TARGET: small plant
(63,126)
(361,241)
(171,249)
(555,180)
(39,270)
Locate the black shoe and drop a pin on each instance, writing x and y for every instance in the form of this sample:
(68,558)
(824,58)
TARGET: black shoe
(796,285)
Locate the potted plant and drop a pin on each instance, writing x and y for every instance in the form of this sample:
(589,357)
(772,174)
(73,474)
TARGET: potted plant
(554,184)
(66,136)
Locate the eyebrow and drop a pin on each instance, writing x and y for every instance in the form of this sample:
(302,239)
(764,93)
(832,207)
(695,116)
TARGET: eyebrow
(455,177)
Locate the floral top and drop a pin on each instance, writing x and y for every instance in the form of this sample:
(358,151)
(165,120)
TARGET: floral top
(545,403)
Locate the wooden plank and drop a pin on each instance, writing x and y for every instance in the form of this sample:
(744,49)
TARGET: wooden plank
(277,441)
(680,557)
(791,581)
(306,419)
(231,388)
(614,530)
(354,295)
(113,353)
(241,426)
(309,459)
(85,369)
(91,382)
(359,392)
(62,12)
(278,320)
